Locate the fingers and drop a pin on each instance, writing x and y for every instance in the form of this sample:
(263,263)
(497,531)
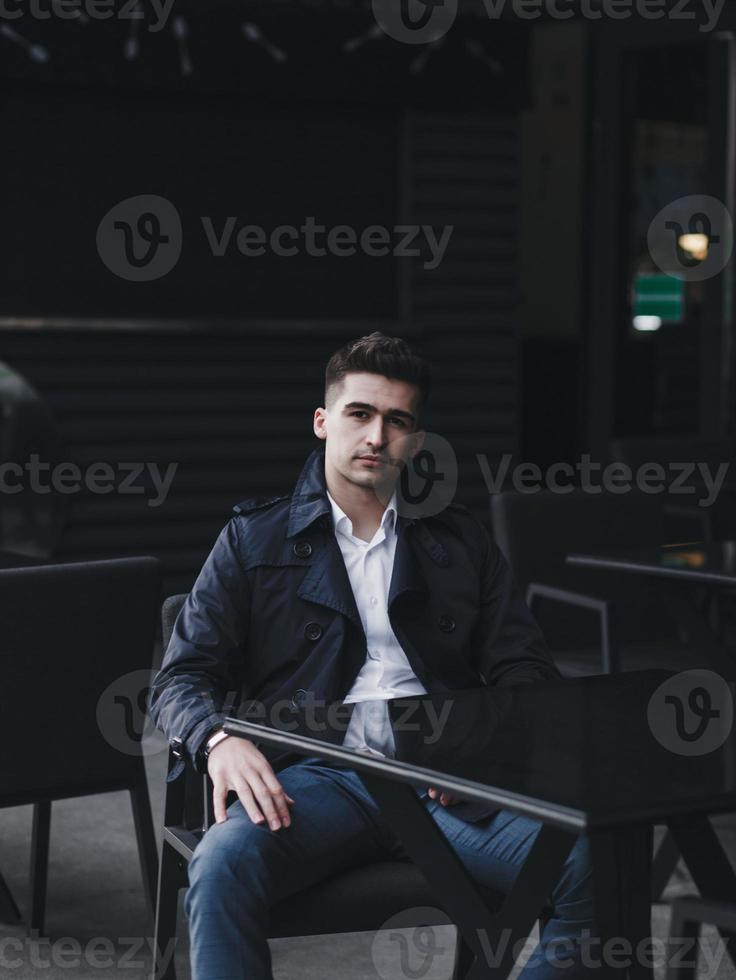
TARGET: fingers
(219,796)
(446,799)
(271,801)
(237,765)
(278,795)
(246,798)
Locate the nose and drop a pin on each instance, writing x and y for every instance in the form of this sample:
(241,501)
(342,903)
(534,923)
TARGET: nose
(375,436)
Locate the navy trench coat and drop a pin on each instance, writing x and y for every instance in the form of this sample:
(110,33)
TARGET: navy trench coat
(272,621)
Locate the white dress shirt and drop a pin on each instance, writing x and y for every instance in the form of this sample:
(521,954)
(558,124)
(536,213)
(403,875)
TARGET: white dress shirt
(386,672)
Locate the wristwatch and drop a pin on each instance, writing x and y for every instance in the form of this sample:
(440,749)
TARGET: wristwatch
(219,735)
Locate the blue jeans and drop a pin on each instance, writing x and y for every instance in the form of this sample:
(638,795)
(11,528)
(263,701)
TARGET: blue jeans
(240,869)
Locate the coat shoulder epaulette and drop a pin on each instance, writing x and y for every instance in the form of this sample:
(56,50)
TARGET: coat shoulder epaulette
(258,503)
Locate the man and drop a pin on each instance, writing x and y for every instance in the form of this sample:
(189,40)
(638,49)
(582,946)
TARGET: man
(334,594)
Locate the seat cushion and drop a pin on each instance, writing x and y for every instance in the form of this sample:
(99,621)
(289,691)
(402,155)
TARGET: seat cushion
(361,900)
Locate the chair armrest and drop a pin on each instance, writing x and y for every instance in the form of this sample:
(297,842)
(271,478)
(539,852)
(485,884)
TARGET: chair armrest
(604,608)
(208,803)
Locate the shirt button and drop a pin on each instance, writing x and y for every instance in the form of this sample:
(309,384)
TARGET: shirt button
(374,601)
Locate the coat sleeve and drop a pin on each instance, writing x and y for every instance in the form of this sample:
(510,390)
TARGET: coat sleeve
(201,673)
(511,649)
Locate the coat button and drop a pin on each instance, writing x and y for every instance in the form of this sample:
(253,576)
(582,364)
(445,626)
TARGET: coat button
(299,698)
(446,624)
(302,549)
(313,631)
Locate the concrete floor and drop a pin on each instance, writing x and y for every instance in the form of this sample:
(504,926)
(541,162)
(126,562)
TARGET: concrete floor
(97,925)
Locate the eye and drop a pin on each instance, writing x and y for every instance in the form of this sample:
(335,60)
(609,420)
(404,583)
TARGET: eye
(398,421)
(359,411)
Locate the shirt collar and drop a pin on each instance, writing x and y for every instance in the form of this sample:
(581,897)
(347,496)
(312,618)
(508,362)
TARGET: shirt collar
(388,520)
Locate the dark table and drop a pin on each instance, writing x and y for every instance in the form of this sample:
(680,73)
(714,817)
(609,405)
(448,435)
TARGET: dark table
(598,755)
(695,562)
(677,570)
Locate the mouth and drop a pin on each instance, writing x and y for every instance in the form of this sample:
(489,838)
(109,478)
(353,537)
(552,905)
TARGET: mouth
(371,460)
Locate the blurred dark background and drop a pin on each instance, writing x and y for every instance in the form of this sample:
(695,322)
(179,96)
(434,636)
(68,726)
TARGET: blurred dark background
(550,145)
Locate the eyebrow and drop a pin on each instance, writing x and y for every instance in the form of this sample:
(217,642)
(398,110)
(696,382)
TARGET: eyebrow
(372,408)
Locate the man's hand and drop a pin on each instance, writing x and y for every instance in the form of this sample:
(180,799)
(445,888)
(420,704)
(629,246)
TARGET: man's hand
(446,799)
(236,764)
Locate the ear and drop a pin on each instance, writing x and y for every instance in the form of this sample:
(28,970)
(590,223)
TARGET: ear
(319,424)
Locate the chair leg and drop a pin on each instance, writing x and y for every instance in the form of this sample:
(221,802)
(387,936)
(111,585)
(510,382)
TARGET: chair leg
(39,865)
(664,864)
(145,835)
(9,911)
(464,958)
(164,938)
(684,931)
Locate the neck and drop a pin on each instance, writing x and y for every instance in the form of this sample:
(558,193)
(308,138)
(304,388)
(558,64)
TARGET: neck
(364,506)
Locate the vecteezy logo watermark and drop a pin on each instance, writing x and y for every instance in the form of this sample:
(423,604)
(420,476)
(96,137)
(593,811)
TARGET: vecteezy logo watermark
(405,946)
(122,716)
(35,476)
(428,480)
(595,478)
(140,239)
(309,713)
(36,952)
(687,10)
(691,238)
(415,21)
(88,9)
(692,712)
(426,21)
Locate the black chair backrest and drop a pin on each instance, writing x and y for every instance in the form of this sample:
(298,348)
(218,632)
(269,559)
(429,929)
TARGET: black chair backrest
(169,611)
(537,531)
(76,655)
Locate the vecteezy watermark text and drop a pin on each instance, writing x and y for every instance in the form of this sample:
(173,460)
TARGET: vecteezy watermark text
(140,239)
(596,478)
(311,238)
(610,10)
(41,477)
(92,9)
(97,953)
(411,953)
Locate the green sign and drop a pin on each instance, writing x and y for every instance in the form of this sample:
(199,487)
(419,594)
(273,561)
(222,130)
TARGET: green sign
(662,296)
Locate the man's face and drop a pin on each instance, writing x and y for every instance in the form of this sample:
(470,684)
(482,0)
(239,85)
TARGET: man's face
(370,431)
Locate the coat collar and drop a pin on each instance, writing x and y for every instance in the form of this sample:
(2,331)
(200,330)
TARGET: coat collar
(310,503)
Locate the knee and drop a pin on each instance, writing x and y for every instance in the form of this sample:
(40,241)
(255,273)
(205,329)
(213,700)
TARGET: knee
(230,855)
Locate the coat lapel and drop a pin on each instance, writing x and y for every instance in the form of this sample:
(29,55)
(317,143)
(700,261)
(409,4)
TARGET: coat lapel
(327,581)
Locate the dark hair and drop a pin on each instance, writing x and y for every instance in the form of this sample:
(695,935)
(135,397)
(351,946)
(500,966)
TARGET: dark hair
(378,354)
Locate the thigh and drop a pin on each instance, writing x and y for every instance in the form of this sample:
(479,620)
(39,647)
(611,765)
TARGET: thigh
(493,850)
(334,825)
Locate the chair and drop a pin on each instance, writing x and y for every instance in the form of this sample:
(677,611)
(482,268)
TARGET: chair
(688,915)
(685,519)
(73,636)
(357,900)
(537,531)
